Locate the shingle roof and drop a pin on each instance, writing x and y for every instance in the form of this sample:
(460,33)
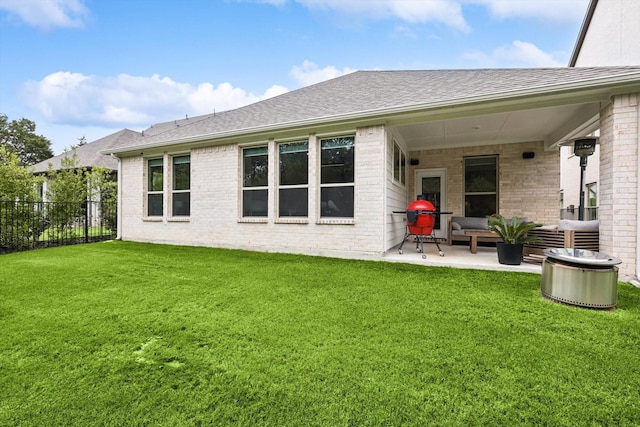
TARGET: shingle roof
(89,155)
(372,92)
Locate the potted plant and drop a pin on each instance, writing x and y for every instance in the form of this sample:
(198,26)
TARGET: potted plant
(513,233)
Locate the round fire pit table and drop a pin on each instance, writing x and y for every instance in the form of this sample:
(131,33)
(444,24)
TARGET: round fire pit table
(580,277)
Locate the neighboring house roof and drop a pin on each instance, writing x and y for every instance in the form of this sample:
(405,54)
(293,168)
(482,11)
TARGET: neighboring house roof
(378,94)
(90,155)
(583,32)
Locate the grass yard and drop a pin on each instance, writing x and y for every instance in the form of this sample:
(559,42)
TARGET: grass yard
(128,334)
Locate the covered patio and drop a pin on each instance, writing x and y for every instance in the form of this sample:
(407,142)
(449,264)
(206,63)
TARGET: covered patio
(457,256)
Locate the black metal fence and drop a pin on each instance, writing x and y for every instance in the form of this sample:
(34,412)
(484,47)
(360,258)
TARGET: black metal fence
(34,225)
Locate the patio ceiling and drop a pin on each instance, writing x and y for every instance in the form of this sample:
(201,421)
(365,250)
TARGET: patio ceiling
(554,125)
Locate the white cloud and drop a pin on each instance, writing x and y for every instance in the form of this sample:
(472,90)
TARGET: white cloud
(130,101)
(554,10)
(517,54)
(47,14)
(309,73)
(448,12)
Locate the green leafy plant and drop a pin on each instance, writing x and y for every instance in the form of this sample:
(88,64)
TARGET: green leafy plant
(513,230)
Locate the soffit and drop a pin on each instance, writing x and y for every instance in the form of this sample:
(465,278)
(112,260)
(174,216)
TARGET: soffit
(539,124)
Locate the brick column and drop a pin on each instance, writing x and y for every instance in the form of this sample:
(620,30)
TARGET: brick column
(619,189)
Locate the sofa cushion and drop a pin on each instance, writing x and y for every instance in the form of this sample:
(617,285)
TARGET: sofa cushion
(569,224)
(467,223)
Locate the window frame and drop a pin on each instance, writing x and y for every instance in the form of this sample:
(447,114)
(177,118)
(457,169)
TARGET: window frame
(399,173)
(482,193)
(175,191)
(591,194)
(296,186)
(254,188)
(347,184)
(149,185)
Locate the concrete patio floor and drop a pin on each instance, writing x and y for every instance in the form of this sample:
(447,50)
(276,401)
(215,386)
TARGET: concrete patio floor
(457,256)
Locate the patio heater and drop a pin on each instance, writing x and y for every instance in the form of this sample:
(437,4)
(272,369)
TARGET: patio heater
(583,148)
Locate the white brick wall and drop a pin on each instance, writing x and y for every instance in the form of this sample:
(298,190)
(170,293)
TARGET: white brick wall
(527,188)
(216,221)
(619,157)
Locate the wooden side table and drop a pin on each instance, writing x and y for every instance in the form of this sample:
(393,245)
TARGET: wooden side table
(484,235)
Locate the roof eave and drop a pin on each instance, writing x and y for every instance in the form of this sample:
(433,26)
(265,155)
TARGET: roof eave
(583,32)
(596,87)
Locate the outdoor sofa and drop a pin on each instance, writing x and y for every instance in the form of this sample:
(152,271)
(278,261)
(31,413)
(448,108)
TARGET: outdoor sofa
(567,234)
(461,224)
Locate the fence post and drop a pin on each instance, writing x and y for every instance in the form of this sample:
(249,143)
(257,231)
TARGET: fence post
(85,205)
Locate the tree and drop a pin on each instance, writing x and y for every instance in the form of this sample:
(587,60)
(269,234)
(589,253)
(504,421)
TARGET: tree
(72,185)
(21,220)
(17,182)
(19,137)
(68,184)
(81,141)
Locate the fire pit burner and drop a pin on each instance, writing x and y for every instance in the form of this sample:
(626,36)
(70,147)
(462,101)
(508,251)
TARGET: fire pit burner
(580,277)
(582,257)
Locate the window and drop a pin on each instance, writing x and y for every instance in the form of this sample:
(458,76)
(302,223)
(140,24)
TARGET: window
(255,174)
(399,164)
(592,201)
(181,196)
(293,188)
(337,177)
(480,186)
(155,187)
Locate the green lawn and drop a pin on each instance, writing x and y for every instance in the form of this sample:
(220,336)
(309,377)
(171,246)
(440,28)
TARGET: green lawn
(127,334)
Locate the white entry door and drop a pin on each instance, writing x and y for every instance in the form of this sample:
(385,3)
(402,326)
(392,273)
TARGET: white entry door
(432,184)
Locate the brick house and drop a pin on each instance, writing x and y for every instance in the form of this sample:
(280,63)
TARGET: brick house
(609,36)
(321,169)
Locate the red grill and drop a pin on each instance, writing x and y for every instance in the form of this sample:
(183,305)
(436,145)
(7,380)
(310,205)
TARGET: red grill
(421,218)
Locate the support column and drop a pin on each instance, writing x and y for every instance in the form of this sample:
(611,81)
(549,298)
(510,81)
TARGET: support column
(619,189)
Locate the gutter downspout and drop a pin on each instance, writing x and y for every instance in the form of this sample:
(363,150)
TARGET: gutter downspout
(635,282)
(119,198)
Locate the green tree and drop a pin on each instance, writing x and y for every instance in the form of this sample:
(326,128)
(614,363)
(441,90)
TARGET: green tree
(71,185)
(67,189)
(17,182)
(19,137)
(103,187)
(21,219)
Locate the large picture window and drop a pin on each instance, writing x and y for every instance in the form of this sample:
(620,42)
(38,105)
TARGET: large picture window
(155,187)
(480,186)
(255,174)
(293,191)
(337,177)
(181,194)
